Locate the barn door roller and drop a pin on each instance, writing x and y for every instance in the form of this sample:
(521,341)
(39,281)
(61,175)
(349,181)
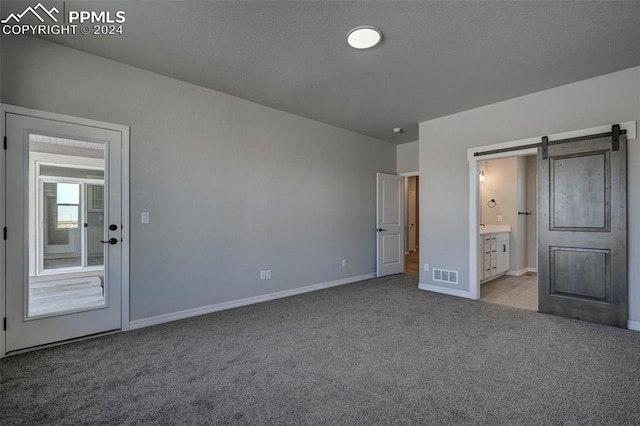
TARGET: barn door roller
(614,134)
(615,137)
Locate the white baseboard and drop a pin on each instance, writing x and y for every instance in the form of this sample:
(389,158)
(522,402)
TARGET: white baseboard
(187,313)
(444,290)
(633,325)
(521,271)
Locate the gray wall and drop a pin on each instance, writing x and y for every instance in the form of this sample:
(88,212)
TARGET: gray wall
(408,157)
(444,169)
(232,187)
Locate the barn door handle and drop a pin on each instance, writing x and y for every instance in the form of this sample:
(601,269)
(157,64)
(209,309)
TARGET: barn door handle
(111,241)
(380,230)
(504,248)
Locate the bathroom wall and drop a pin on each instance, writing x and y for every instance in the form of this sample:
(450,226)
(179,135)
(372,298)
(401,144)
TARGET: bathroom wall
(507,181)
(532,207)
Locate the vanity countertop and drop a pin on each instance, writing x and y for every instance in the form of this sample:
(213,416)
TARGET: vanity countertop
(494,229)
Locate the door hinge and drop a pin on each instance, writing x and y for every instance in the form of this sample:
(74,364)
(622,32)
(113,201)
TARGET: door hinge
(5,142)
(4,232)
(4,324)
(615,137)
(545,147)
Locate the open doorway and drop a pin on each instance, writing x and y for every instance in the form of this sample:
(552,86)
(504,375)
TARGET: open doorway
(507,242)
(412,209)
(580,173)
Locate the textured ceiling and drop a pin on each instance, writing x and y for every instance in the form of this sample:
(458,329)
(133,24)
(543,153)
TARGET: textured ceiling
(436,58)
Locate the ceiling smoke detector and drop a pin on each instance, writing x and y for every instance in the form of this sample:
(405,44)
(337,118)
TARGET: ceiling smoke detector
(364,37)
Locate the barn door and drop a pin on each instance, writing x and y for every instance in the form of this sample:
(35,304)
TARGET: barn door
(582,229)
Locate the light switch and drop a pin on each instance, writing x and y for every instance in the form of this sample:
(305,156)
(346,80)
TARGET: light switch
(499,218)
(144,217)
(426,267)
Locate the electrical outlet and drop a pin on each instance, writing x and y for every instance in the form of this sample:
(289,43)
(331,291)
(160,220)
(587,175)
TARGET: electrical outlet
(426,267)
(344,262)
(268,274)
(263,275)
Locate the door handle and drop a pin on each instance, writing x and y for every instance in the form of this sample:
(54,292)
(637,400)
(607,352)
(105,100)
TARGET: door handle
(111,241)
(504,248)
(380,230)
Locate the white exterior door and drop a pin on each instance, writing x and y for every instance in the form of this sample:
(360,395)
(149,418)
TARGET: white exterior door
(73,293)
(390,224)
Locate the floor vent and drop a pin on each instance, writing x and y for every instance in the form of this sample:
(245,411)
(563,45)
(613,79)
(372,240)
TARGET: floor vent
(445,276)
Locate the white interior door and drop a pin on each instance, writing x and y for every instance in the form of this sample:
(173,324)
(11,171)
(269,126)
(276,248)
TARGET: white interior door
(411,215)
(390,224)
(75,292)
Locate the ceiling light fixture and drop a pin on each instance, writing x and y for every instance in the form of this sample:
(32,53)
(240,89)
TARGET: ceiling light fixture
(398,130)
(364,37)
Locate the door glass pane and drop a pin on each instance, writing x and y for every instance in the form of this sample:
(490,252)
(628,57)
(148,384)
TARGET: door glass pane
(95,225)
(66,225)
(62,243)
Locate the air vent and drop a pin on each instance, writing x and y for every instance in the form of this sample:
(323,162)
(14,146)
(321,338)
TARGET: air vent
(445,276)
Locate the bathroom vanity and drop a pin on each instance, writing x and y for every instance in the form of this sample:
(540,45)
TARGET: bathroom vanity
(493,251)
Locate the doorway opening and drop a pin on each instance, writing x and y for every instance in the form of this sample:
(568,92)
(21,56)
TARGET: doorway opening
(412,209)
(581,193)
(507,242)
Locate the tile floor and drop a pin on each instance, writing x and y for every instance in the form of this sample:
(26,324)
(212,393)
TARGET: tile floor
(518,292)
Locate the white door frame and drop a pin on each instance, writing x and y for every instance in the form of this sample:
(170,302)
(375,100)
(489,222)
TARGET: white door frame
(474,185)
(124,131)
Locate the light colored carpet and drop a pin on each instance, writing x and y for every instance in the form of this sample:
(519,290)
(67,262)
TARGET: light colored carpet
(376,352)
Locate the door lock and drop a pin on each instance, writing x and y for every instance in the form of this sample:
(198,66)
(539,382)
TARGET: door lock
(113,227)
(111,241)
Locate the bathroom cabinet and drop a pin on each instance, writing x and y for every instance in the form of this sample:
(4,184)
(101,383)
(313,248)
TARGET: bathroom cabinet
(494,255)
